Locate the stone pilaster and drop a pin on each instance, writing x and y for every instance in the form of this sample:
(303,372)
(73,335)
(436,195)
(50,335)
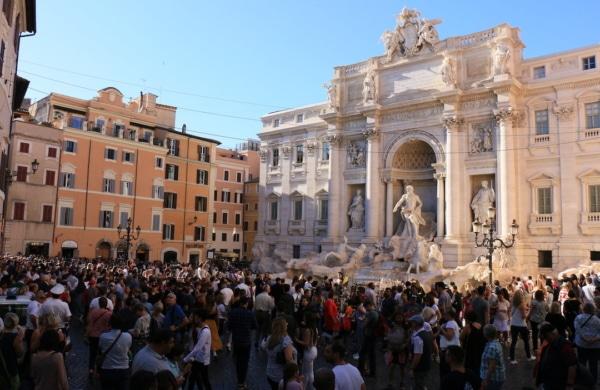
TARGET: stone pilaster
(373,186)
(506,186)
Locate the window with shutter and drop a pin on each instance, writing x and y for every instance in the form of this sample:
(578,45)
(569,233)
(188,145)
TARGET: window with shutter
(156,222)
(19,211)
(238,219)
(24,147)
(545,200)
(225,218)
(21,173)
(50,177)
(47,213)
(66,216)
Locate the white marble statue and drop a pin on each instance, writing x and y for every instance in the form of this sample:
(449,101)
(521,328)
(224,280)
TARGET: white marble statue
(448,72)
(391,43)
(356,154)
(410,210)
(501,56)
(436,258)
(356,211)
(332,95)
(482,201)
(369,86)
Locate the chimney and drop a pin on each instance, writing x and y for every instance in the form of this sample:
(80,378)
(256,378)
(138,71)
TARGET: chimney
(183,128)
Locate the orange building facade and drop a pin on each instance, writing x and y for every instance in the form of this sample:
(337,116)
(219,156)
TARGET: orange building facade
(124,160)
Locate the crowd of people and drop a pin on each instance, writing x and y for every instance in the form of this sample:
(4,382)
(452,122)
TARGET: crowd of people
(162,327)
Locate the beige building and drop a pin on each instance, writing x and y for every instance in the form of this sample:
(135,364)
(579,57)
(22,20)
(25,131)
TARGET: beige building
(32,196)
(441,116)
(250,149)
(18,17)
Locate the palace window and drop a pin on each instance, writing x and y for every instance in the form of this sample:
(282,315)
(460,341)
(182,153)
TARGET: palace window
(51,152)
(297,211)
(19,211)
(592,115)
(544,200)
(129,157)
(24,147)
(541,122)
(236,237)
(106,219)
(545,259)
(276,123)
(201,176)
(225,218)
(238,219)
(50,178)
(238,177)
(155,222)
(539,72)
(299,118)
(108,185)
(158,192)
(224,237)
(123,217)
(275,158)
(595,255)
(158,163)
(325,148)
(323,209)
(168,232)
(76,122)
(594,201)
(127,188)
(22,173)
(226,175)
(204,153)
(70,146)
(199,233)
(172,172)
(589,62)
(299,154)
(67,180)
(173,145)
(47,213)
(273,208)
(296,251)
(110,154)
(170,201)
(66,216)
(201,203)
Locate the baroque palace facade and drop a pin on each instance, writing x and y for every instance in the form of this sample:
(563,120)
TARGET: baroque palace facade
(443,116)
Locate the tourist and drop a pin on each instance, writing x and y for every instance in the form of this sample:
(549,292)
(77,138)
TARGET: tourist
(175,319)
(324,379)
(57,307)
(152,357)
(571,309)
(46,321)
(492,371)
(292,380)
(558,364)
(501,316)
(12,348)
(587,338)
(421,351)
(263,306)
(307,341)
(555,318)
(473,342)
(480,305)
(113,364)
(32,323)
(458,377)
(347,377)
(449,335)
(98,321)
(241,322)
(47,365)
(199,356)
(518,326)
(280,350)
(367,348)
(536,316)
(397,344)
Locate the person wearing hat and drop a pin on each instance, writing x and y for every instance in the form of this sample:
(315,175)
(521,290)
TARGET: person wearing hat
(56,306)
(421,348)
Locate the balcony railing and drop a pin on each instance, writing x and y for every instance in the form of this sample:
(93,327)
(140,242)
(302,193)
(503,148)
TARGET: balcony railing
(541,139)
(591,133)
(543,218)
(296,227)
(593,217)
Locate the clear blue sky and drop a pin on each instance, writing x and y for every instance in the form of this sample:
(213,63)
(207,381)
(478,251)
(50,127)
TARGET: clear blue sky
(275,53)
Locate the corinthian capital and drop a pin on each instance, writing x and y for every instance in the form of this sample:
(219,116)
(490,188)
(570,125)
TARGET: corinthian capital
(370,134)
(506,114)
(334,139)
(452,123)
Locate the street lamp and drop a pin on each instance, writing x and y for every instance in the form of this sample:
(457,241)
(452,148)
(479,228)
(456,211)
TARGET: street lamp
(129,236)
(490,240)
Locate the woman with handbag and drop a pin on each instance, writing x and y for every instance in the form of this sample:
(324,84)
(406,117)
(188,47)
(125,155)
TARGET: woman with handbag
(280,350)
(98,321)
(112,362)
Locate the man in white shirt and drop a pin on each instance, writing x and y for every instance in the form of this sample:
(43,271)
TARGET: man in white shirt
(57,307)
(199,356)
(95,303)
(588,290)
(347,377)
(33,311)
(227,293)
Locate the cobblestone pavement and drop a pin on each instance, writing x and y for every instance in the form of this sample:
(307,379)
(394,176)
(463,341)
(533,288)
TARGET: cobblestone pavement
(222,370)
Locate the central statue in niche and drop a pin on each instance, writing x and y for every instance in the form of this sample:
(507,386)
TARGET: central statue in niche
(410,210)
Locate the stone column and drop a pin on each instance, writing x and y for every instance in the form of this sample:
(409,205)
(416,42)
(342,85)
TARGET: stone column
(389,206)
(337,204)
(440,204)
(454,174)
(506,187)
(373,190)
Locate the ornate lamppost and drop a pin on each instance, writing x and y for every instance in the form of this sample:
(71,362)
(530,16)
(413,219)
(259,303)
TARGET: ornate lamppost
(10,174)
(129,235)
(490,240)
